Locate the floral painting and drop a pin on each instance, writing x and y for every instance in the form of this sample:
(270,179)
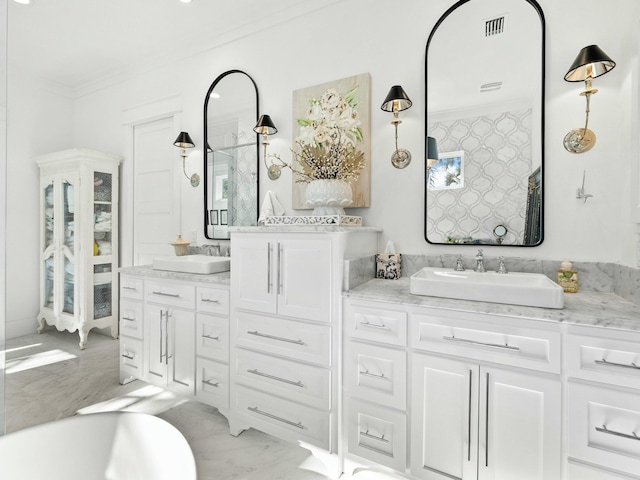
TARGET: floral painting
(448,172)
(331,136)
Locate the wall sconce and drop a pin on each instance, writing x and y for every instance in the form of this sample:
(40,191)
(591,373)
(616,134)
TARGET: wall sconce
(183,142)
(590,63)
(432,155)
(396,101)
(266,127)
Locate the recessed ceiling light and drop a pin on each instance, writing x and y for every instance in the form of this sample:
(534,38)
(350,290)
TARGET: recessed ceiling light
(23,2)
(183,1)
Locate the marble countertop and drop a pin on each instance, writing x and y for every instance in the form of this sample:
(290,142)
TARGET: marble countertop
(304,229)
(222,278)
(583,308)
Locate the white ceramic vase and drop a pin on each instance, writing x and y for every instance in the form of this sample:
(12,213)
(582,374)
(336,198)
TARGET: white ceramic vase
(328,196)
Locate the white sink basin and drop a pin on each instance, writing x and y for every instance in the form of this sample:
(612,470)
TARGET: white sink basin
(202,264)
(514,288)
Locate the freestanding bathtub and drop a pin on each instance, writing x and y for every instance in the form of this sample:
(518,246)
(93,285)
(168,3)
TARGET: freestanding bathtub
(98,446)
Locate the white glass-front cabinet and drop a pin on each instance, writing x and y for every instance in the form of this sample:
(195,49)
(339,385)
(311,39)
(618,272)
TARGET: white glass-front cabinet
(79,241)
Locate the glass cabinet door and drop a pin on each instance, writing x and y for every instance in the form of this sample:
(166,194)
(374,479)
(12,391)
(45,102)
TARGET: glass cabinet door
(102,246)
(49,247)
(68,237)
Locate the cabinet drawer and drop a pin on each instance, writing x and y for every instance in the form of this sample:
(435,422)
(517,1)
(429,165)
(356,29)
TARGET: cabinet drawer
(130,359)
(377,434)
(212,337)
(279,417)
(212,383)
(131,287)
(483,337)
(212,300)
(576,471)
(377,324)
(295,381)
(604,359)
(377,374)
(170,293)
(604,426)
(131,318)
(300,341)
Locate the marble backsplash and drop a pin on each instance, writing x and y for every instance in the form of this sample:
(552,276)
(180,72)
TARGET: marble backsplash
(593,277)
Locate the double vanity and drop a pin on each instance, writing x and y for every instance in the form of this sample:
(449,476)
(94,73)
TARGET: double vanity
(299,341)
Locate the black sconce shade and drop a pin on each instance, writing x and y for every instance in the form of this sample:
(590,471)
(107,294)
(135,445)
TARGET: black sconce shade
(398,97)
(184,141)
(265,126)
(591,56)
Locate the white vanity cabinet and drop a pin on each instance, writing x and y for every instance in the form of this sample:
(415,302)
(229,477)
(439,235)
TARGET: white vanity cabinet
(483,393)
(175,334)
(603,406)
(79,241)
(286,285)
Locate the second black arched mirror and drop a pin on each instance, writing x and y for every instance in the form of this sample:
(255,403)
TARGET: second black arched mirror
(231,160)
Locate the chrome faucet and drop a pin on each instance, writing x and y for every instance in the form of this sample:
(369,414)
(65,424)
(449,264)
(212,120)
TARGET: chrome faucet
(459,264)
(480,261)
(502,268)
(213,250)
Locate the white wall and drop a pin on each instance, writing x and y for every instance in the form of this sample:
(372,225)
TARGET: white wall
(357,36)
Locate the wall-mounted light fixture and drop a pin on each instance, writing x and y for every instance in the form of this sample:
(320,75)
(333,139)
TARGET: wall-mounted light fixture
(432,155)
(590,63)
(265,127)
(396,101)
(183,142)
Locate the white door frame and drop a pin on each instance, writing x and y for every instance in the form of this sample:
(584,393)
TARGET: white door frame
(131,117)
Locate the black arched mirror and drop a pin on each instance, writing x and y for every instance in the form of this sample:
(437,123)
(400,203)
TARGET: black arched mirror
(485,63)
(231,161)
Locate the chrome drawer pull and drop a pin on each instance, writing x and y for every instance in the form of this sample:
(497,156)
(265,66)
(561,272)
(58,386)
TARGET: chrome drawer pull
(439,472)
(174,295)
(280,419)
(210,337)
(474,342)
(375,437)
(129,319)
(614,364)
(604,429)
(210,301)
(128,356)
(125,287)
(272,337)
(368,374)
(210,383)
(374,325)
(255,371)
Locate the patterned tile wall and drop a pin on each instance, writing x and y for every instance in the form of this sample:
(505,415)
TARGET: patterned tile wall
(498,160)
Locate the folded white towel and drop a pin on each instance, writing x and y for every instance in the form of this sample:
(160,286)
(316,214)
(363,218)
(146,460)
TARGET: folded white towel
(271,207)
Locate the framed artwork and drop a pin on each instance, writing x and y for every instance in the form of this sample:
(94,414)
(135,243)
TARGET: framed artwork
(448,172)
(342,106)
(213,217)
(223,217)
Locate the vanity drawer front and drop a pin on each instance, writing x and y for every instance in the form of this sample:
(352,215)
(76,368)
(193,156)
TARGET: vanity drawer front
(605,360)
(300,341)
(212,383)
(282,418)
(292,380)
(483,338)
(170,293)
(376,324)
(130,359)
(576,471)
(212,337)
(131,287)
(377,374)
(131,318)
(212,300)
(377,434)
(603,424)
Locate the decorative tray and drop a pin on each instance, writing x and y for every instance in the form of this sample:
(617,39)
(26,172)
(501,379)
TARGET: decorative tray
(343,220)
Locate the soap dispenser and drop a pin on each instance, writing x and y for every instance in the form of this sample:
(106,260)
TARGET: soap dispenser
(568,277)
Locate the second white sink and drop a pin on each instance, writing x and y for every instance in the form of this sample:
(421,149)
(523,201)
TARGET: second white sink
(201,264)
(515,288)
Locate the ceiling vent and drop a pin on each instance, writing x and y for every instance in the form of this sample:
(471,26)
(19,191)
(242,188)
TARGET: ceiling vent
(490,87)
(495,26)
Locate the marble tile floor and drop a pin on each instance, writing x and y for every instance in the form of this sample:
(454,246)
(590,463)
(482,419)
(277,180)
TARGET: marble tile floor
(48,378)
